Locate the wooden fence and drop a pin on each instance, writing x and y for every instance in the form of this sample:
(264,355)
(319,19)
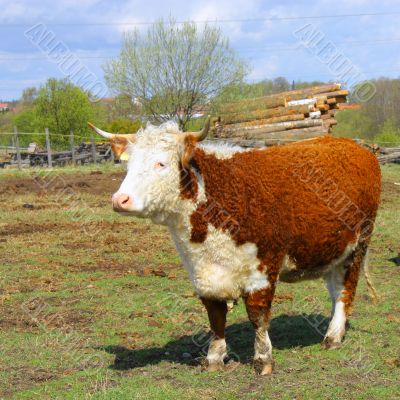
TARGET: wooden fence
(86,152)
(97,152)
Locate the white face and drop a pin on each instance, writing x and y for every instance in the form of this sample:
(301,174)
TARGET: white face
(152,180)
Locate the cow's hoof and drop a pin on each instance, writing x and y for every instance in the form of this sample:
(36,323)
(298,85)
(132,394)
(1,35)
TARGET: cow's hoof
(330,344)
(267,369)
(263,368)
(212,367)
(231,365)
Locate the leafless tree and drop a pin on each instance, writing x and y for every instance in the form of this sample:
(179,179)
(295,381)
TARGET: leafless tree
(174,68)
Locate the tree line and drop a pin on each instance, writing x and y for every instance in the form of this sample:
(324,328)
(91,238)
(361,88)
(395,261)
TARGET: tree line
(377,120)
(63,107)
(173,71)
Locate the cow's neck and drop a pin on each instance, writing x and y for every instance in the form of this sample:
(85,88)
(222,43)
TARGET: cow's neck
(200,199)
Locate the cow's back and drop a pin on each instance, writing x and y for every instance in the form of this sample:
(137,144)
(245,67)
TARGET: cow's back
(336,189)
(307,199)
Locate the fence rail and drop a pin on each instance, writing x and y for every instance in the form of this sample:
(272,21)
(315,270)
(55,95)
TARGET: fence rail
(94,150)
(89,150)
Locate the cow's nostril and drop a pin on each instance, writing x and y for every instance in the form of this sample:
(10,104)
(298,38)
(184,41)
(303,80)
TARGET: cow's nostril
(121,202)
(124,200)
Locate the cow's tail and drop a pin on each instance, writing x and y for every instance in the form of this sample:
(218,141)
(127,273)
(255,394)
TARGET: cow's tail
(373,294)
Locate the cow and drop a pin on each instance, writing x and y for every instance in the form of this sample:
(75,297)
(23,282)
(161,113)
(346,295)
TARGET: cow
(244,219)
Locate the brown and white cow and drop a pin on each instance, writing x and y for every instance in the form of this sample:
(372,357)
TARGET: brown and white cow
(244,219)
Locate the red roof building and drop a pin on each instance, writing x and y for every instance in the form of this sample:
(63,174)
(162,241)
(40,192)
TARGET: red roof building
(345,106)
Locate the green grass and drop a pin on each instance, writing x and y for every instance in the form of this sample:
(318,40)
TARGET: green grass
(93,316)
(68,169)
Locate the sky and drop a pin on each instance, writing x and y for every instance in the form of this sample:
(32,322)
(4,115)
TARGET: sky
(300,40)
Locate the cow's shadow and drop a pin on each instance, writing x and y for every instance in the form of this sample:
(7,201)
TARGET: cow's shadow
(286,331)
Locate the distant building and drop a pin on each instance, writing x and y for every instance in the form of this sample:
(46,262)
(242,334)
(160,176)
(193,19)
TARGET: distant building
(4,107)
(345,106)
(197,111)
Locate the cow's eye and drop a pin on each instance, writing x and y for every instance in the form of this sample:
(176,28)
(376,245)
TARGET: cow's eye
(159,165)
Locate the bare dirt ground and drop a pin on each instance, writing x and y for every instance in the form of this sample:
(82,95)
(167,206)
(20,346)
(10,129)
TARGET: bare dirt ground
(95,183)
(94,305)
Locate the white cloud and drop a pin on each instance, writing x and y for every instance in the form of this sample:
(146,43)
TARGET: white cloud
(265,67)
(11,11)
(20,83)
(261,42)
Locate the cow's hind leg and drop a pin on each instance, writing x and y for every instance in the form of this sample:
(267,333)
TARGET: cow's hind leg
(258,306)
(342,284)
(216,311)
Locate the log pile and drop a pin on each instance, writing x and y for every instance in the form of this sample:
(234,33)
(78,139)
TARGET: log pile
(383,154)
(280,118)
(389,155)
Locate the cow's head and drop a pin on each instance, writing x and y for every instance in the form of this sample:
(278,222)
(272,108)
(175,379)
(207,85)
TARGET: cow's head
(156,158)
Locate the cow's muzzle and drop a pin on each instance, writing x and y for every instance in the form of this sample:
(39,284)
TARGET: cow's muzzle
(122,202)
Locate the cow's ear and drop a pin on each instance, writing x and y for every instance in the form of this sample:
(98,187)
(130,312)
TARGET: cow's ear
(119,143)
(189,143)
(119,146)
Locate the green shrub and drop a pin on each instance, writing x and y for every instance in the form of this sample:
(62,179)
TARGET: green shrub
(352,124)
(389,135)
(389,139)
(123,125)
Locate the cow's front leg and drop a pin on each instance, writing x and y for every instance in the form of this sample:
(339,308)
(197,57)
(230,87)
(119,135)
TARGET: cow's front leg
(217,311)
(258,306)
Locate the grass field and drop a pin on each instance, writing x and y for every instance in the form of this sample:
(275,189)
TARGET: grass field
(97,306)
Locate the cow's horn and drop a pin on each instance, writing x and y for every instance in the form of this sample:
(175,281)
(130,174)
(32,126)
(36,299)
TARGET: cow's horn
(100,132)
(199,136)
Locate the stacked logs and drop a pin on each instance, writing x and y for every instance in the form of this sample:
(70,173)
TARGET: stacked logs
(280,118)
(389,155)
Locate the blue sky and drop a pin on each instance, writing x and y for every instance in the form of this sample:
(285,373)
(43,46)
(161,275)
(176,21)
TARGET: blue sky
(92,30)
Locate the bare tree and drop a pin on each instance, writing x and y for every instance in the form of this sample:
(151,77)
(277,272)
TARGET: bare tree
(174,68)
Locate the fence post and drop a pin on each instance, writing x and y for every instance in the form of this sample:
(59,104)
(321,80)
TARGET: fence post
(48,146)
(71,139)
(112,156)
(16,142)
(94,155)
